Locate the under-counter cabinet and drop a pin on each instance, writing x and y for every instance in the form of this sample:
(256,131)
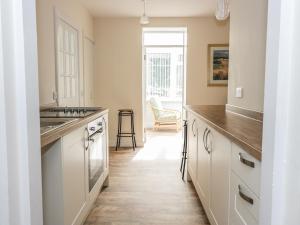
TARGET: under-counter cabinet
(65,180)
(203,163)
(219,176)
(223,179)
(66,174)
(192,145)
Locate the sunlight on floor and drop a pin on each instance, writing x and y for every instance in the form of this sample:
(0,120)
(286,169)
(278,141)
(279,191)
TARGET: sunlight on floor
(161,146)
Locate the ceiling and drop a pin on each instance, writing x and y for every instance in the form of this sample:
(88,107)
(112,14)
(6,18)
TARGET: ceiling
(155,8)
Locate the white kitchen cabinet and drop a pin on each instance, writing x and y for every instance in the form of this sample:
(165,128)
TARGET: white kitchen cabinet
(220,177)
(74,177)
(203,164)
(220,150)
(244,204)
(64,180)
(192,146)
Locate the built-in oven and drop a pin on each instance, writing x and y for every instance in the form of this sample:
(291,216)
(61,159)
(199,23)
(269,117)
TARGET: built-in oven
(96,147)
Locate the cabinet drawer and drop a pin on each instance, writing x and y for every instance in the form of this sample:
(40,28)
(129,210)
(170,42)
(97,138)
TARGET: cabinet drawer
(244,205)
(247,168)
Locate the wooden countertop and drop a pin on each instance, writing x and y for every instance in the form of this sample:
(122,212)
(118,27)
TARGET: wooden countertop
(244,131)
(57,133)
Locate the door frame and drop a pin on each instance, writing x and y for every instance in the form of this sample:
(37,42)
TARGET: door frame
(279,183)
(178,29)
(20,152)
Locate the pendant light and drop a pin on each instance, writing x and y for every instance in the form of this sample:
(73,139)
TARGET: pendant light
(144,18)
(222,11)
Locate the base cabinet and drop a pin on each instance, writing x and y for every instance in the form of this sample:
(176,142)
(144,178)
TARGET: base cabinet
(67,199)
(203,165)
(219,177)
(192,146)
(74,177)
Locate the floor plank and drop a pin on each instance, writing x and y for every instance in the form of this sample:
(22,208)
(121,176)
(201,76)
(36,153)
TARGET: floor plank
(146,187)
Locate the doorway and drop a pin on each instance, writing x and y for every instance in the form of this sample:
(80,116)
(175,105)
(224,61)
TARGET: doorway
(164,66)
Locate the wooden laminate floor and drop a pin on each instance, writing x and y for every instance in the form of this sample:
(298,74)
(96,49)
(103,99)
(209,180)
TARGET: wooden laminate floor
(146,187)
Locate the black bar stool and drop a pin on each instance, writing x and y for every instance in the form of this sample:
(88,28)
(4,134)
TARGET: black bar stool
(126,113)
(184,150)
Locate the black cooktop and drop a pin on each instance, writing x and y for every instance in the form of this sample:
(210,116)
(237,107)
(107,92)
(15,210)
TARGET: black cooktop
(68,112)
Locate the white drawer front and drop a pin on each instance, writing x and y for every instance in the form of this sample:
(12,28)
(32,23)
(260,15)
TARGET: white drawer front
(241,164)
(241,211)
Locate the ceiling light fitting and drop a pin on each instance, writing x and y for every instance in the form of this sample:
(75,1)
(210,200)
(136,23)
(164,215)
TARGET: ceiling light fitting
(144,18)
(222,11)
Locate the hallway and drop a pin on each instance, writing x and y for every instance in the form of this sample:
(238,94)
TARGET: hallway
(146,187)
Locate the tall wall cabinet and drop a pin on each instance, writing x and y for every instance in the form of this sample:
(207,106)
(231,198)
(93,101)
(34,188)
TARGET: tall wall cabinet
(227,186)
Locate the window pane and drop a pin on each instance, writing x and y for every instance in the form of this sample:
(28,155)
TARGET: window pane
(163,38)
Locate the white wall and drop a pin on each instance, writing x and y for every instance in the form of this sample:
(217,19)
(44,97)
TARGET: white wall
(75,14)
(118,65)
(248,24)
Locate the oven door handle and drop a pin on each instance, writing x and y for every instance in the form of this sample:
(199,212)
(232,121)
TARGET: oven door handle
(93,137)
(86,138)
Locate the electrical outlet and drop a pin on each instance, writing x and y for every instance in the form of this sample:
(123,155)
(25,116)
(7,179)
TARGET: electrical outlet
(239,92)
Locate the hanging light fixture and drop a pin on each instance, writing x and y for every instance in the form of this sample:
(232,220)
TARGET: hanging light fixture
(222,11)
(144,18)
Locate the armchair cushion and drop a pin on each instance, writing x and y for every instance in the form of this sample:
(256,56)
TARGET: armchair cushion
(168,116)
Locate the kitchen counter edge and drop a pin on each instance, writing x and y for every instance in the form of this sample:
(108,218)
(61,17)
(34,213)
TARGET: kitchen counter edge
(249,140)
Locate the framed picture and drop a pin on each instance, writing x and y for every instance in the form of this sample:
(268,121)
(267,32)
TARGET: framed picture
(218,58)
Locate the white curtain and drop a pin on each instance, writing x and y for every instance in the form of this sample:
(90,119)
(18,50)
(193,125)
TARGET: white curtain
(222,11)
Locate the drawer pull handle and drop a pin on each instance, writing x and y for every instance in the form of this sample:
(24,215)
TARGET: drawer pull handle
(245,161)
(245,197)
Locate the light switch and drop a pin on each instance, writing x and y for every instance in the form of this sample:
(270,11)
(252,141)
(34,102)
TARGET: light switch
(239,92)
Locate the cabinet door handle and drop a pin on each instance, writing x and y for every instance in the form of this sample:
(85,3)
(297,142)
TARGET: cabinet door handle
(86,139)
(206,146)
(203,137)
(245,161)
(245,197)
(193,128)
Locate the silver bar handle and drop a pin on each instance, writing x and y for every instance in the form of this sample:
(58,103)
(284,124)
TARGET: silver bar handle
(245,161)
(194,134)
(206,147)
(245,197)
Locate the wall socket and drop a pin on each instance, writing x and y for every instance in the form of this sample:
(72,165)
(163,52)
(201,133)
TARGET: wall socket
(239,92)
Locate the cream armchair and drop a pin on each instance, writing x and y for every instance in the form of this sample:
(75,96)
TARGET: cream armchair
(164,116)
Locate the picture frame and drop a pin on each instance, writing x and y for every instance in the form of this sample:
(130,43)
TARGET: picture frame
(217,64)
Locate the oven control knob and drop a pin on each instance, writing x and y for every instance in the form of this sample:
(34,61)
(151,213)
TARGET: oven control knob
(100,124)
(92,128)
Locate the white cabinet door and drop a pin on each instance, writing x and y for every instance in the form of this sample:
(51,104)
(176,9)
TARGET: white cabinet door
(192,147)
(74,180)
(88,72)
(67,63)
(220,148)
(203,167)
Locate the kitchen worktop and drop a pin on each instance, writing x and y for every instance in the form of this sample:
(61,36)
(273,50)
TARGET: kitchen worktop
(244,131)
(60,131)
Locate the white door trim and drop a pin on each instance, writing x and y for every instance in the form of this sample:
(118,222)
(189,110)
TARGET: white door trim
(280,184)
(20,180)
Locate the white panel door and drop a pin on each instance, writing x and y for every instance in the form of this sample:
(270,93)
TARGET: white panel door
(192,147)
(203,167)
(88,72)
(67,64)
(220,148)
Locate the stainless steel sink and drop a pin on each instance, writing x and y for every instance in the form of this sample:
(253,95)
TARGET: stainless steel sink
(49,124)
